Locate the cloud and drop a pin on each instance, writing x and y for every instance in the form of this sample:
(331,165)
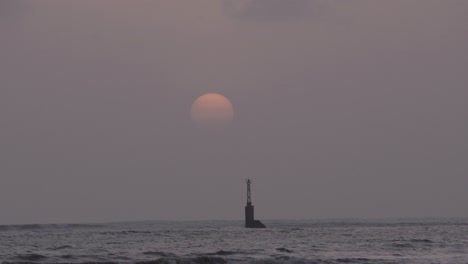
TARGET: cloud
(272,10)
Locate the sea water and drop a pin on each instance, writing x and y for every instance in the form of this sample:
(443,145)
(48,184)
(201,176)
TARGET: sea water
(288,241)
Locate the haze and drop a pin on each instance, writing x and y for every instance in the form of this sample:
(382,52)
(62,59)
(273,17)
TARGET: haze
(343,109)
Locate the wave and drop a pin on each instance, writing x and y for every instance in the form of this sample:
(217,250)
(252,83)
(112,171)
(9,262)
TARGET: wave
(31,257)
(422,241)
(45,226)
(402,245)
(196,260)
(60,247)
(411,243)
(125,232)
(285,250)
(86,262)
(221,260)
(223,253)
(370,223)
(159,254)
(355,260)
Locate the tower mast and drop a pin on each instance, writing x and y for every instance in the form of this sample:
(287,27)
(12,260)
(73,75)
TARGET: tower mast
(249,198)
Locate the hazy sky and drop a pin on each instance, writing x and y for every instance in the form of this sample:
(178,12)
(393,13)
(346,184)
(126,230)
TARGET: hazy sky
(342,109)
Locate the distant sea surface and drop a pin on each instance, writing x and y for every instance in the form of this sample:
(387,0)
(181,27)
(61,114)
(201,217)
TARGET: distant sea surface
(311,241)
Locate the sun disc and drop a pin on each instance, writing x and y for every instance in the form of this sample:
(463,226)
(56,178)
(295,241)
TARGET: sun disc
(212,109)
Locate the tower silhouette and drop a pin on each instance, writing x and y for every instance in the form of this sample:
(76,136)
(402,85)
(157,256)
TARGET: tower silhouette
(250,221)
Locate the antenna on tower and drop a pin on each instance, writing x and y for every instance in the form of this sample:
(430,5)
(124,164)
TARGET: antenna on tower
(249,197)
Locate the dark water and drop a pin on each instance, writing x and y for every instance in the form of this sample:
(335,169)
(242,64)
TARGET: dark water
(312,241)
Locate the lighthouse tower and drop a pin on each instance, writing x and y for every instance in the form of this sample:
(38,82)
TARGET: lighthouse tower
(250,221)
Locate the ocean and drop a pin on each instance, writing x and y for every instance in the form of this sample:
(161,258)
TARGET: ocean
(287,241)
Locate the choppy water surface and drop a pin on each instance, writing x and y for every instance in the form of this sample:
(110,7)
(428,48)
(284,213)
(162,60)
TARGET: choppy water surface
(312,241)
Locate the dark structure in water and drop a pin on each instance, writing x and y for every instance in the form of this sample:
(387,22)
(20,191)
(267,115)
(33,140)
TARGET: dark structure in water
(250,222)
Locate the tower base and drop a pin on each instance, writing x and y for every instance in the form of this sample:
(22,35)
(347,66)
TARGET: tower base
(255,224)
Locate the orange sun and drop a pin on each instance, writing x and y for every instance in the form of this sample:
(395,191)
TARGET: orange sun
(212,109)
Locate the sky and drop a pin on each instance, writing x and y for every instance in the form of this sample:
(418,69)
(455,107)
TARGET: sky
(343,109)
